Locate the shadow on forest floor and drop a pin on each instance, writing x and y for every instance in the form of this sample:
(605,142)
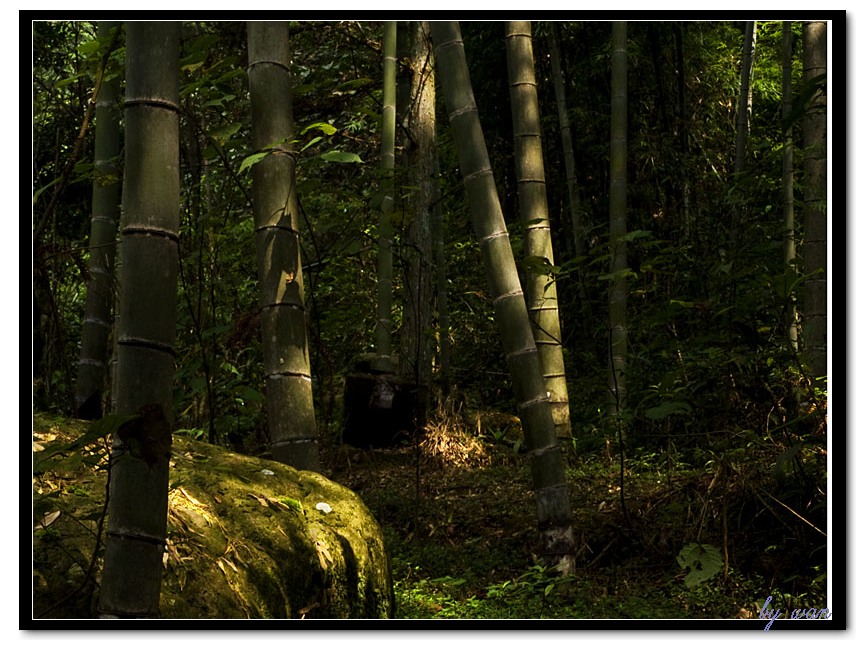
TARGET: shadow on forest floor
(458,518)
(459,521)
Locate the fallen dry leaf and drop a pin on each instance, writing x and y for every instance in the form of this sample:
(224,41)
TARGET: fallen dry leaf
(47,520)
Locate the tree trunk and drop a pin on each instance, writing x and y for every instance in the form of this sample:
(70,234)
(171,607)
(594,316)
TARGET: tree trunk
(567,141)
(441,281)
(577,225)
(384,324)
(688,228)
(95,331)
(743,112)
(787,177)
(541,294)
(290,412)
(511,314)
(814,212)
(419,147)
(618,217)
(138,503)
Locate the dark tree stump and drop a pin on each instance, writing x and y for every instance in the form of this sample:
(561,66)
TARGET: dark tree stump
(380,410)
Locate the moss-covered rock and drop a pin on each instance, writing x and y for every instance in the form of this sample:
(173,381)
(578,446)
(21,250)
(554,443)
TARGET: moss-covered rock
(247,538)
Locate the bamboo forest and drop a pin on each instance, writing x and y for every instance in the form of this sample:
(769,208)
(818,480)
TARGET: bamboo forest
(418,320)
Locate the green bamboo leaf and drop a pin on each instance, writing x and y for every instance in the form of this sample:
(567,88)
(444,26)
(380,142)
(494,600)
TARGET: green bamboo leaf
(191,67)
(39,192)
(356,83)
(228,76)
(68,80)
(317,138)
(255,158)
(291,503)
(324,127)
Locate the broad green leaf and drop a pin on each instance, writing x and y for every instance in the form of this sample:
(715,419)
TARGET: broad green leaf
(89,47)
(67,464)
(666,409)
(803,101)
(618,275)
(93,515)
(223,134)
(191,87)
(703,561)
(785,461)
(83,168)
(98,430)
(341,157)
(537,265)
(249,394)
(635,234)
(215,330)
(220,101)
(102,428)
(197,384)
(203,43)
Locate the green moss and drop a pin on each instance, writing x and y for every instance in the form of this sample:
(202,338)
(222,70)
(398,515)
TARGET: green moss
(242,542)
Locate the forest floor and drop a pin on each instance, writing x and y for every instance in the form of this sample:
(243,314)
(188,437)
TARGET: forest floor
(458,517)
(459,521)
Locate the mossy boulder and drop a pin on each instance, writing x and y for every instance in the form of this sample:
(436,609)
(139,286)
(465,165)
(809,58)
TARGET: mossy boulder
(247,538)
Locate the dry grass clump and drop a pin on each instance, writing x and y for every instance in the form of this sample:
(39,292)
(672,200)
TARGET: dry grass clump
(447,441)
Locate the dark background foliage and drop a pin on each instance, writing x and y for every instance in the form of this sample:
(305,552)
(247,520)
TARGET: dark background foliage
(715,388)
